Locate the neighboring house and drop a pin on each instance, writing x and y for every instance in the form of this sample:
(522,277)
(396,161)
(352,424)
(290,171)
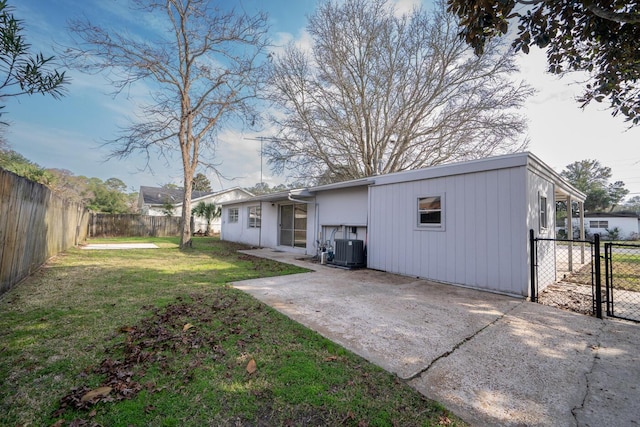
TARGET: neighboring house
(464,223)
(152,201)
(606,223)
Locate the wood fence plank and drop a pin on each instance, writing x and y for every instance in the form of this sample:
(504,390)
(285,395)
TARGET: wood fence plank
(34,225)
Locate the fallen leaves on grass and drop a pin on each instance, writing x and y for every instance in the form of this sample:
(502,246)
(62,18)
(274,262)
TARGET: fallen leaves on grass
(97,393)
(158,340)
(251,366)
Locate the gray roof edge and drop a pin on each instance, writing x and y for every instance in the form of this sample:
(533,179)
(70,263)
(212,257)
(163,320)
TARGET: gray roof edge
(302,192)
(539,166)
(281,195)
(458,168)
(505,161)
(360,182)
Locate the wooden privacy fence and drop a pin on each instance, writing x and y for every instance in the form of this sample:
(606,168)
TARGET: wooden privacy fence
(34,226)
(131,225)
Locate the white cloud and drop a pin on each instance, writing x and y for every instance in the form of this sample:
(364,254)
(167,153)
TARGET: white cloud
(405,6)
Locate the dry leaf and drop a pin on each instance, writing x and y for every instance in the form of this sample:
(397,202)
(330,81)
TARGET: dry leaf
(444,420)
(98,392)
(93,413)
(251,366)
(58,423)
(127,329)
(331,359)
(186,327)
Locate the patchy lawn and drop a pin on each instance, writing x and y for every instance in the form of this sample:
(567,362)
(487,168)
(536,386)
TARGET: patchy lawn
(156,337)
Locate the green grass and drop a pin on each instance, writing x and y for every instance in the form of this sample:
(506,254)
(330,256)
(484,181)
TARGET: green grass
(117,318)
(625,258)
(626,271)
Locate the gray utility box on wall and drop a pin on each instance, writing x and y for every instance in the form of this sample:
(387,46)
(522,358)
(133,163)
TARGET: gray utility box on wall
(349,253)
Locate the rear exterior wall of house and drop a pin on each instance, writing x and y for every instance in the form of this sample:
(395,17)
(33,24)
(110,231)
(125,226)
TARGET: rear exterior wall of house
(481,241)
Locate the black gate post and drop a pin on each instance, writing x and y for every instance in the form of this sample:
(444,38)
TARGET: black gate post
(532,265)
(607,283)
(596,243)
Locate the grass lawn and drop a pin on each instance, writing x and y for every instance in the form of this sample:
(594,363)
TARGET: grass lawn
(155,337)
(626,270)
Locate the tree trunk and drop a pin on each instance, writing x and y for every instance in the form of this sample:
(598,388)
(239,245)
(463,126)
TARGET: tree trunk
(185,235)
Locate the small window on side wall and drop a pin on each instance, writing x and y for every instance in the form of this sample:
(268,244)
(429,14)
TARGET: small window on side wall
(233,214)
(254,217)
(430,212)
(544,213)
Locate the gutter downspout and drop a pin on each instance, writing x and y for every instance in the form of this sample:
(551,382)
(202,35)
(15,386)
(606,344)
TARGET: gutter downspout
(260,229)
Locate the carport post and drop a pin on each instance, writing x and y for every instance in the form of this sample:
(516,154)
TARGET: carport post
(570,233)
(581,210)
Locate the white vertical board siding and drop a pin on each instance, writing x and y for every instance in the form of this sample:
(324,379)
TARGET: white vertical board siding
(539,186)
(236,231)
(240,232)
(269,234)
(482,245)
(346,206)
(312,229)
(341,209)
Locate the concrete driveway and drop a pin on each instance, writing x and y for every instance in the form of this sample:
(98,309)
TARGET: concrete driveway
(491,359)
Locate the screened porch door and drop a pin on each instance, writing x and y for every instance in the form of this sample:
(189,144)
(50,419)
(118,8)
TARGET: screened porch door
(293,225)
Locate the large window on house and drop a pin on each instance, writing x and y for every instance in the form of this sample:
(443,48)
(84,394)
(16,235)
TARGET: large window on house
(598,224)
(544,213)
(254,216)
(233,214)
(430,212)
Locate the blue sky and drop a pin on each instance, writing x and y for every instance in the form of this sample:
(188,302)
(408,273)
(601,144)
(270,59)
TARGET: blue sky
(68,133)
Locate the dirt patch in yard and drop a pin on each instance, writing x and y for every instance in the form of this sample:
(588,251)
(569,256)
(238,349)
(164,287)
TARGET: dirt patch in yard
(568,296)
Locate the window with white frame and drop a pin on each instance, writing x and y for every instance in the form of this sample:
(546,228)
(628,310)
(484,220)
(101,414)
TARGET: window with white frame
(254,216)
(233,214)
(544,213)
(598,224)
(430,212)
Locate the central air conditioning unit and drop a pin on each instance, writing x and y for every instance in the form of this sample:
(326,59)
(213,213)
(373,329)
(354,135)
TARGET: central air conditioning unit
(349,253)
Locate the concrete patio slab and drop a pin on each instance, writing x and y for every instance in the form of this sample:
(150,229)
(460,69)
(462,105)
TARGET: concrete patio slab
(491,359)
(103,246)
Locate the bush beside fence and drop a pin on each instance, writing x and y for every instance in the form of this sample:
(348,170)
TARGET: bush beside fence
(130,225)
(34,226)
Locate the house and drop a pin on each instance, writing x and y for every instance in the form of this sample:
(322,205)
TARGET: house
(464,223)
(612,225)
(157,201)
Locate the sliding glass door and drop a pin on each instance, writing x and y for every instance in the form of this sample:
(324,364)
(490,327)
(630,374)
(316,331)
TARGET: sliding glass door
(293,225)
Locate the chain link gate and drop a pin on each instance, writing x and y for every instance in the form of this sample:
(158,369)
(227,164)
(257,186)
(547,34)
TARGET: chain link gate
(566,274)
(622,272)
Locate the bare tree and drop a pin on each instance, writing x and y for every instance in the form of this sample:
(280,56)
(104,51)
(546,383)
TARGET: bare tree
(381,93)
(204,69)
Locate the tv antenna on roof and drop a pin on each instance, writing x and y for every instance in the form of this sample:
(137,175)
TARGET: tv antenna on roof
(262,139)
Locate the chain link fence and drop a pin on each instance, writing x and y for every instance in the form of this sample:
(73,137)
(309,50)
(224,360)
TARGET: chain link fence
(622,266)
(565,274)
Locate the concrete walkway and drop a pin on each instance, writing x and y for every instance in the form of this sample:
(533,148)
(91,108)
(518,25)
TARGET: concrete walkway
(491,359)
(103,246)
